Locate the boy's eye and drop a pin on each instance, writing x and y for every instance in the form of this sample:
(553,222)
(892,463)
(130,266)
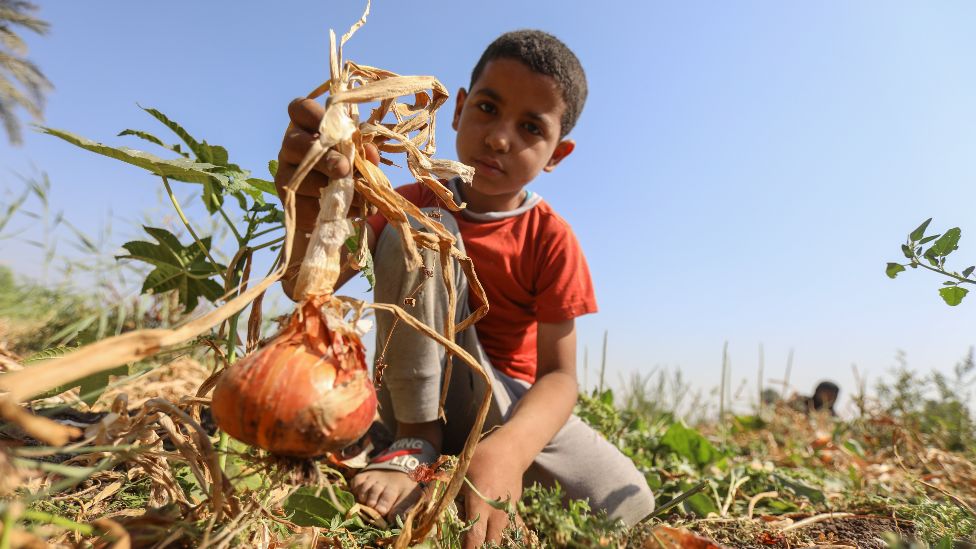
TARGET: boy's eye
(486,107)
(532,128)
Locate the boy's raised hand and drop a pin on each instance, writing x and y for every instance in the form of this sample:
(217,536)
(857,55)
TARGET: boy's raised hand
(305,115)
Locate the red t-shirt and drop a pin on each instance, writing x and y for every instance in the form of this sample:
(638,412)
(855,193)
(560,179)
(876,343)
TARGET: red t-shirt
(532,270)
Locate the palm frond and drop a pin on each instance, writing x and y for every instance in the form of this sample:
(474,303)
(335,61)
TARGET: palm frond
(15,12)
(12,41)
(16,68)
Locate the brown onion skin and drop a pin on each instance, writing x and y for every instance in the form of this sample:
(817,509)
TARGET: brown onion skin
(304,394)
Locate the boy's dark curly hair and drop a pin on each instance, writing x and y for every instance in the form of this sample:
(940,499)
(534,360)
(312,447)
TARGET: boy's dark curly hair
(544,54)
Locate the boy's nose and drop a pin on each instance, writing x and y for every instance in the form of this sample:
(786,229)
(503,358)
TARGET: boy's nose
(497,140)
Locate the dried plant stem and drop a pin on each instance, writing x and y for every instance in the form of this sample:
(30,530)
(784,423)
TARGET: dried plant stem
(603,360)
(815,519)
(111,352)
(725,367)
(730,496)
(755,499)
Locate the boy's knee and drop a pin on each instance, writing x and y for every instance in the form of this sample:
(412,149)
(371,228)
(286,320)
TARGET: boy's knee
(632,502)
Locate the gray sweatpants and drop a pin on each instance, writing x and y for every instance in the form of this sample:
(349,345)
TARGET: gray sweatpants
(584,463)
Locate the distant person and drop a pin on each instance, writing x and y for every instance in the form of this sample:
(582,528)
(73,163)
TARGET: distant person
(770,397)
(823,399)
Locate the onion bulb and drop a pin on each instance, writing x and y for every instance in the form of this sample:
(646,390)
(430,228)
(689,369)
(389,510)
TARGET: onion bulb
(305,393)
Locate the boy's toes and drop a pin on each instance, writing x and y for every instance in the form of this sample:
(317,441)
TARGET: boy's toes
(385,501)
(371,496)
(405,503)
(360,487)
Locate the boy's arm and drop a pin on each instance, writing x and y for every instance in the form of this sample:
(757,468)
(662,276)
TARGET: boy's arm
(503,457)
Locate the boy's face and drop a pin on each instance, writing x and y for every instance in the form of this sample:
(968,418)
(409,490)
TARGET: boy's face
(508,127)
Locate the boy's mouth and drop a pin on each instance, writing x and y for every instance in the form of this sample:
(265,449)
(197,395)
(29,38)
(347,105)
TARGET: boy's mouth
(488,166)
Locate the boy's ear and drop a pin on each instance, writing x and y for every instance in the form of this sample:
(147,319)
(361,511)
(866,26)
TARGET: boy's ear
(563,149)
(462,94)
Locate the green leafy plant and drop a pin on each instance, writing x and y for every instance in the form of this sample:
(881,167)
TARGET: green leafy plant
(569,524)
(933,258)
(191,269)
(936,406)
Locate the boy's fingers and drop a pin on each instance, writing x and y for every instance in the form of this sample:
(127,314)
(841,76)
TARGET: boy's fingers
(297,143)
(475,536)
(372,153)
(306,114)
(307,196)
(496,525)
(308,187)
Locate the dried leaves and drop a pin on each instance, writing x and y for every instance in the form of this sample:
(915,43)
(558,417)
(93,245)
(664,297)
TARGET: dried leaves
(394,126)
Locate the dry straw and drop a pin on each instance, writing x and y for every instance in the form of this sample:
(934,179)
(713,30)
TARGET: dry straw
(412,134)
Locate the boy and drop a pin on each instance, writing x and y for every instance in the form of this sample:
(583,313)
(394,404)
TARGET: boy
(526,93)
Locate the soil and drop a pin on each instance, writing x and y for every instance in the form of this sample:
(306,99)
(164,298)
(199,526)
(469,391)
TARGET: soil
(862,532)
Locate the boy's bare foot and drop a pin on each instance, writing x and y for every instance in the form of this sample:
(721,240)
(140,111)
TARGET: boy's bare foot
(391,493)
(386,484)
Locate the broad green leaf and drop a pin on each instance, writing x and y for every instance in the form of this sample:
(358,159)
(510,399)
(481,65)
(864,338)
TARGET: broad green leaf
(273,168)
(953,295)
(700,504)
(905,249)
(92,387)
(153,139)
(801,489)
(185,269)
(267,187)
(689,444)
(918,233)
(179,169)
(946,243)
(969,270)
(893,269)
(928,239)
(780,505)
(204,152)
(211,154)
(273,215)
(311,506)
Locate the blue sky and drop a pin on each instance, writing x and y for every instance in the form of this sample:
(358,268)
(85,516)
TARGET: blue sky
(743,172)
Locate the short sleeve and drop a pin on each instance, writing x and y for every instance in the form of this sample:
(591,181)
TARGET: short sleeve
(564,288)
